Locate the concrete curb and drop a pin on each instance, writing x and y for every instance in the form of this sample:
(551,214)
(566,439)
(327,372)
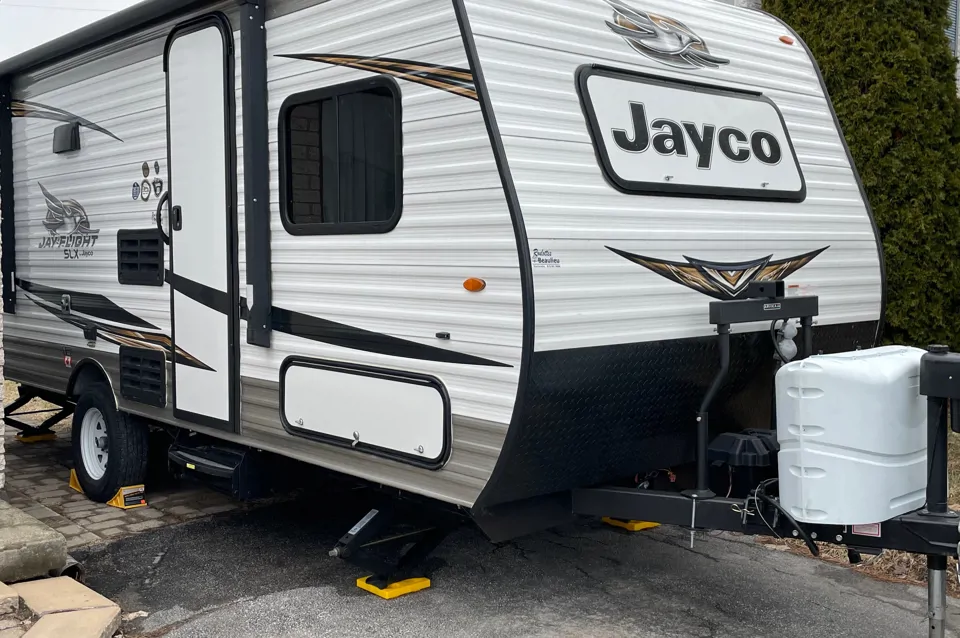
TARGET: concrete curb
(63,607)
(28,548)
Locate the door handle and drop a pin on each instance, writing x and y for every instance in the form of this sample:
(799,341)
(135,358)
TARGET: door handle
(176,218)
(160,204)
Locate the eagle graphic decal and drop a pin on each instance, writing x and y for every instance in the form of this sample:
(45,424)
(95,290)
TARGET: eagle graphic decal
(65,216)
(722,280)
(663,39)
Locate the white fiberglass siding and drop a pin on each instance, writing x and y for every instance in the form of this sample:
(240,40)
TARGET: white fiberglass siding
(530,53)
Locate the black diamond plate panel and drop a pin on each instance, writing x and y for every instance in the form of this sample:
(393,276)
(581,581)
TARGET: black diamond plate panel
(592,415)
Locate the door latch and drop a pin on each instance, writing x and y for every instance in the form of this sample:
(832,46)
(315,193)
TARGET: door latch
(176,218)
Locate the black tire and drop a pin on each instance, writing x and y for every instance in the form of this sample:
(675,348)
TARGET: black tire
(128,439)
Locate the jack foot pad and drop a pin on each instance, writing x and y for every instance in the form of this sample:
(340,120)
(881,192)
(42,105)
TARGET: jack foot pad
(394,590)
(630,526)
(36,438)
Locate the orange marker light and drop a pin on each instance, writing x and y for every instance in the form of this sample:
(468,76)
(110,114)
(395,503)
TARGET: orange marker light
(474,285)
(786,39)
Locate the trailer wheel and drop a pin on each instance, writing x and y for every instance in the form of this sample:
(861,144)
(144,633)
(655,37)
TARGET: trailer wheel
(109,447)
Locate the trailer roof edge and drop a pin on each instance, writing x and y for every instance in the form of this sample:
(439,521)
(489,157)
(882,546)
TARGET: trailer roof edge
(101,31)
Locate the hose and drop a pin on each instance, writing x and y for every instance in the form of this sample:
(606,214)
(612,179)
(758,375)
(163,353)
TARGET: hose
(806,537)
(776,343)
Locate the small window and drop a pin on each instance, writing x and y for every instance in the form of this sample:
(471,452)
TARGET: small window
(341,168)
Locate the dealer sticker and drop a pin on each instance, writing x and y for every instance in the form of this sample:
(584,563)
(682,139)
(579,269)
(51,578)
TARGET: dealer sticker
(545,259)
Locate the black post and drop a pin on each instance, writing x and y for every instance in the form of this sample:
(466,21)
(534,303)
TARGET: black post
(7,230)
(703,419)
(256,169)
(936,455)
(807,324)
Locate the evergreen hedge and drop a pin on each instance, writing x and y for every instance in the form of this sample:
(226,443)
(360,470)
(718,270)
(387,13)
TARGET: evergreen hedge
(891,75)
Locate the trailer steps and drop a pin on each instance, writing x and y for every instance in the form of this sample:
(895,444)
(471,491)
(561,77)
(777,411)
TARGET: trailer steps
(232,469)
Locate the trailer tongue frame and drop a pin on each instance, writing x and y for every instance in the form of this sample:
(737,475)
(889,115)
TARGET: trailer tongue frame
(933,530)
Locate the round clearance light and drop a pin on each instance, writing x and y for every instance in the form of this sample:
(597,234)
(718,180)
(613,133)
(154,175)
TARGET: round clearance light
(474,284)
(786,39)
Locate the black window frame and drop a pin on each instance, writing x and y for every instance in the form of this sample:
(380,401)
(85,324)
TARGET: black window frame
(284,151)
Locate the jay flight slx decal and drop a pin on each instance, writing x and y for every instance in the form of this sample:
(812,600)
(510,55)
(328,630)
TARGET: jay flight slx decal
(68,227)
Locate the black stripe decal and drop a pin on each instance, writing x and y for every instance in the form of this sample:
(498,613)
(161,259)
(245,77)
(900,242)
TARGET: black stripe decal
(313,328)
(86,303)
(204,295)
(338,334)
(113,334)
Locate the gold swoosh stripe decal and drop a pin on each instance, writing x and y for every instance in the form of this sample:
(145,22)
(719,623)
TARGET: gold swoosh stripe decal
(23,108)
(446,78)
(706,277)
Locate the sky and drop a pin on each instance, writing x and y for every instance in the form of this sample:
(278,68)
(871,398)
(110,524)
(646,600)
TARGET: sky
(25,24)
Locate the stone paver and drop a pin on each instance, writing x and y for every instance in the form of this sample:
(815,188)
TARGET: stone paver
(37,475)
(90,623)
(9,600)
(63,607)
(81,539)
(53,595)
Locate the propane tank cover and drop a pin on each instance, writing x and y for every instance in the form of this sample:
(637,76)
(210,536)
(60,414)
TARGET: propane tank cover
(852,433)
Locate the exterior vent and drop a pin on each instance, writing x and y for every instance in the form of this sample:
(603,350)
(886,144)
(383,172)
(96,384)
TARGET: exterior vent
(143,375)
(140,257)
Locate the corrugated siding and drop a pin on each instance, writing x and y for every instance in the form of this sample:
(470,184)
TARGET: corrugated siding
(530,52)
(129,100)
(408,282)
(130,103)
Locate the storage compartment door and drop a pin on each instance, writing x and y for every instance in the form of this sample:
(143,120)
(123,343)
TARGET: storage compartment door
(398,415)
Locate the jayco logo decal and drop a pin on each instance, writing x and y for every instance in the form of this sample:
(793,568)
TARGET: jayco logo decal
(672,139)
(68,227)
(660,136)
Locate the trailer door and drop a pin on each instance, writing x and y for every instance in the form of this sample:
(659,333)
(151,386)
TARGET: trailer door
(201,159)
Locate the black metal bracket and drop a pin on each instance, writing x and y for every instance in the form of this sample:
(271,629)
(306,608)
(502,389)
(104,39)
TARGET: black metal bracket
(913,532)
(364,546)
(723,314)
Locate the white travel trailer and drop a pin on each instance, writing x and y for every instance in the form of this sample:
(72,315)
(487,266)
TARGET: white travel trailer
(460,248)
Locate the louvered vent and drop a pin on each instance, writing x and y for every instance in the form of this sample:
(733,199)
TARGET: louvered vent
(140,257)
(143,375)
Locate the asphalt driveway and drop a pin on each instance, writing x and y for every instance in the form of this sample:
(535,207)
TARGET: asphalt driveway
(266,573)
